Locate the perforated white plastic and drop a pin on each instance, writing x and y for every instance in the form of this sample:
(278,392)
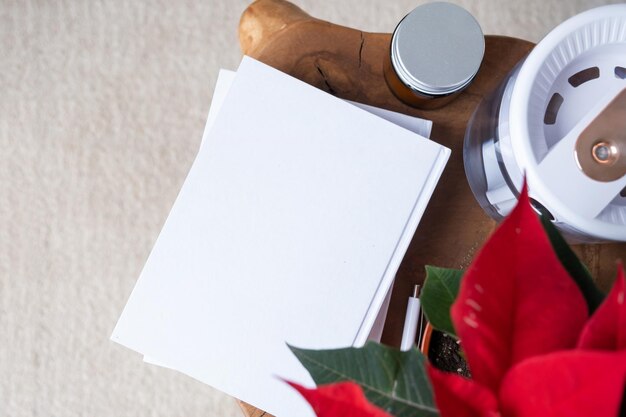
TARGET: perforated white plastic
(546,102)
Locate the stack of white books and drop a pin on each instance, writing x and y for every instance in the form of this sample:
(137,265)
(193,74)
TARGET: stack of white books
(289,229)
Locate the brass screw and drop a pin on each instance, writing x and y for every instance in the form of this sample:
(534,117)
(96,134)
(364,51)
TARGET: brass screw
(604,153)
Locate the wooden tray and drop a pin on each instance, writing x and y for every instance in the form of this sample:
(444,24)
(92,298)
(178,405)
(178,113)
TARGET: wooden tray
(348,63)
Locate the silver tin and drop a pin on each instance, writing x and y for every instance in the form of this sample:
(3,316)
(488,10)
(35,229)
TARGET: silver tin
(435,51)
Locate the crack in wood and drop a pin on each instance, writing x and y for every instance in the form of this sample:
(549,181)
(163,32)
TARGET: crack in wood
(361,48)
(331,90)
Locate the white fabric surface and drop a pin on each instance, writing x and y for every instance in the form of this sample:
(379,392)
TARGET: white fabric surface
(102,106)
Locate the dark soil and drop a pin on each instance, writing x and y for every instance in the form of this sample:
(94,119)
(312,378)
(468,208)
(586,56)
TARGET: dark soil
(445,354)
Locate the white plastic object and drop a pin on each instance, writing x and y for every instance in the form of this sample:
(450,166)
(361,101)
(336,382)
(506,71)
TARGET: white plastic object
(531,123)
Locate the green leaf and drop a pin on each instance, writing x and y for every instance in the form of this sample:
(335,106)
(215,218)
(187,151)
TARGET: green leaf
(393,380)
(440,290)
(577,270)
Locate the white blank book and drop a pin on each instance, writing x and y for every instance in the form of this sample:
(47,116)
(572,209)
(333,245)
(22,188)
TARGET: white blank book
(288,229)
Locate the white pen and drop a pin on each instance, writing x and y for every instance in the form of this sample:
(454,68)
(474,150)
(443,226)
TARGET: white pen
(412,321)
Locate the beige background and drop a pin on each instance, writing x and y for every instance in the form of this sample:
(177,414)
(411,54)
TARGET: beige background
(102,106)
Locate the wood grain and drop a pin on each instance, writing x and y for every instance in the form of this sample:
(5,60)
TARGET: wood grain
(348,63)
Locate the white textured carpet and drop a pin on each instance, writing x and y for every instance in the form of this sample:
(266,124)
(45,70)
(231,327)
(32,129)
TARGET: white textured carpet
(102,106)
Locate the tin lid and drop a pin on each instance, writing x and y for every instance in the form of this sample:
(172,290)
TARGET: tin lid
(437,49)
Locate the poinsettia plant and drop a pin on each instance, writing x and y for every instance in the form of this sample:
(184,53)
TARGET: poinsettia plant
(539,338)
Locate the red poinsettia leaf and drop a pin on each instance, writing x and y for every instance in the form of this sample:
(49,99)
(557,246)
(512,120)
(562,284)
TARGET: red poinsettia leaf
(344,399)
(516,300)
(607,327)
(456,396)
(574,383)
